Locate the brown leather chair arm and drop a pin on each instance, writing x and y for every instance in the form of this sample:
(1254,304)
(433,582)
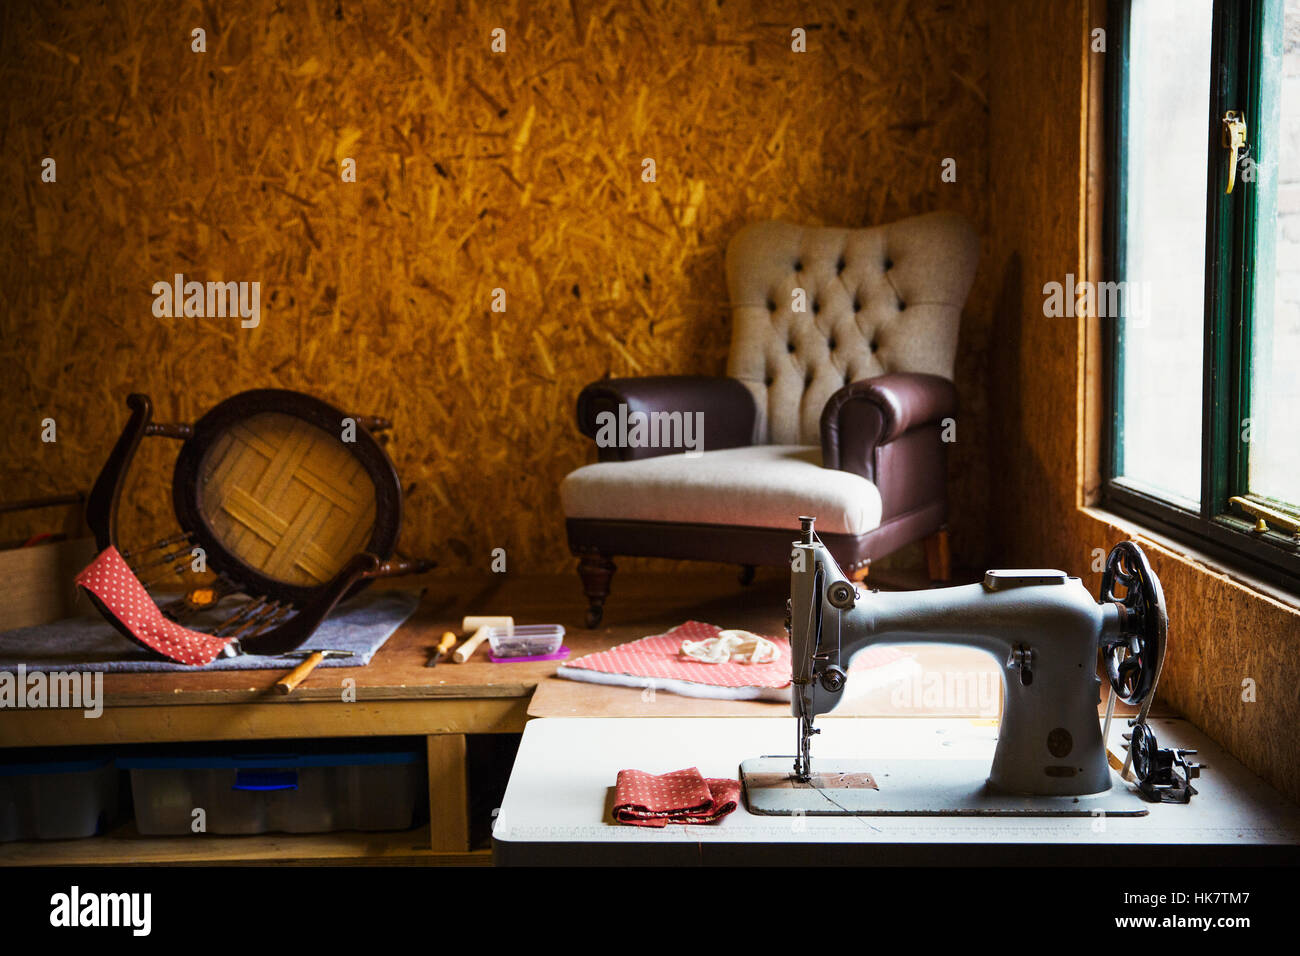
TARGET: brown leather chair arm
(726,410)
(863,416)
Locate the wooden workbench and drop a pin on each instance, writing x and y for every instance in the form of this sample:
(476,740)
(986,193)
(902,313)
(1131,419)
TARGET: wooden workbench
(396,694)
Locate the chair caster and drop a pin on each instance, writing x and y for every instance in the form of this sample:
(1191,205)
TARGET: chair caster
(594,614)
(746,576)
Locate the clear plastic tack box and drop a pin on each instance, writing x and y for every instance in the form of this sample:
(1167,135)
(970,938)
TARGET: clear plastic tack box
(281,787)
(527,640)
(56,794)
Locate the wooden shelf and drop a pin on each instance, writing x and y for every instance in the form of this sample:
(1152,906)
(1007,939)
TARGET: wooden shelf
(124,845)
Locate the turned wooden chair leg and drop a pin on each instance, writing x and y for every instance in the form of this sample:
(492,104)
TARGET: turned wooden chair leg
(596,571)
(938,556)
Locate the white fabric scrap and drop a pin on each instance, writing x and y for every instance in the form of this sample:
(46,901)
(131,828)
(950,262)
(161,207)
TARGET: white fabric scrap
(733,646)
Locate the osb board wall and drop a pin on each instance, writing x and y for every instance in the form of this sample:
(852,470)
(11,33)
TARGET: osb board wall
(475,171)
(1221,632)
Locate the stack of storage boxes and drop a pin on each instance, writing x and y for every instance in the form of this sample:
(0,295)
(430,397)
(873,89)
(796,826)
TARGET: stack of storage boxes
(281,787)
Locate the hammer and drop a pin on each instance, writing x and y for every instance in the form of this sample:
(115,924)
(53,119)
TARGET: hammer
(287,683)
(479,625)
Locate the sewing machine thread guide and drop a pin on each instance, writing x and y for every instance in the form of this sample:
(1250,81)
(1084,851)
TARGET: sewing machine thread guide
(911,787)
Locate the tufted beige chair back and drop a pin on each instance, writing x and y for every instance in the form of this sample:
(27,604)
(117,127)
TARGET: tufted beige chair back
(875,300)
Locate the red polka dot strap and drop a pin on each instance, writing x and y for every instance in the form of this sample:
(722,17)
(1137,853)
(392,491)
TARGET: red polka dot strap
(683,796)
(123,599)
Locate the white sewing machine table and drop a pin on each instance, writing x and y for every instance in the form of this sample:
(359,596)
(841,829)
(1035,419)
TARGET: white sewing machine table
(557,807)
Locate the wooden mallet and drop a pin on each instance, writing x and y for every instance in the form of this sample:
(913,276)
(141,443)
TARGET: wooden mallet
(479,626)
(287,683)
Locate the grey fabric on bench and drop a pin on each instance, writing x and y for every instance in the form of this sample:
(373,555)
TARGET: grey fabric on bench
(362,625)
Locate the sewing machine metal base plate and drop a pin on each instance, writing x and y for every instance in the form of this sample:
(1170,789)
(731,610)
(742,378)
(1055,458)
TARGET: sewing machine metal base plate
(894,786)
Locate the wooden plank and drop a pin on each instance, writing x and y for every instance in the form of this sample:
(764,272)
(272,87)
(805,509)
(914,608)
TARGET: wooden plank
(126,846)
(448,794)
(57,728)
(557,697)
(1092,405)
(36,583)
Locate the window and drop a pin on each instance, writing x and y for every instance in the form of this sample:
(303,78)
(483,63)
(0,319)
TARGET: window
(1203,243)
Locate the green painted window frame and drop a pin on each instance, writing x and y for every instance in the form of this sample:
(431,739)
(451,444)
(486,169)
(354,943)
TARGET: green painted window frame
(1216,528)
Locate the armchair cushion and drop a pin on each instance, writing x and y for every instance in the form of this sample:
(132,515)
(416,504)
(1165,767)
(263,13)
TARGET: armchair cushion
(709,412)
(862,416)
(759,486)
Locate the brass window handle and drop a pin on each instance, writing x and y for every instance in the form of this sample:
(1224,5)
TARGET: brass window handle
(1234,140)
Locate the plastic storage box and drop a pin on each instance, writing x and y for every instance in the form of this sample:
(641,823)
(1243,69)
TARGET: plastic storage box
(55,795)
(262,791)
(530,640)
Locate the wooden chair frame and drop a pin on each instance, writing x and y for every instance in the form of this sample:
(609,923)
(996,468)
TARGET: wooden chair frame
(282,615)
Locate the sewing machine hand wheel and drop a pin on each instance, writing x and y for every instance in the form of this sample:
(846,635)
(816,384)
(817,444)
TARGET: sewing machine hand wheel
(1133,658)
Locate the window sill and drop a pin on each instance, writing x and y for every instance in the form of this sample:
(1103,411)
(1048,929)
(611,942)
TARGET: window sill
(1208,563)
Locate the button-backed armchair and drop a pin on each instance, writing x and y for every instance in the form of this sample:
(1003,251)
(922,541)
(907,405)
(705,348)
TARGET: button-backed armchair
(837,403)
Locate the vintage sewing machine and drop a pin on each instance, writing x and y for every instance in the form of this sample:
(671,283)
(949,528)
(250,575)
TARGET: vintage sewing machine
(1045,629)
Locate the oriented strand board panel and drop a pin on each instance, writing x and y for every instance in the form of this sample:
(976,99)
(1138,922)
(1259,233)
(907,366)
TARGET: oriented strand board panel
(522,171)
(1233,663)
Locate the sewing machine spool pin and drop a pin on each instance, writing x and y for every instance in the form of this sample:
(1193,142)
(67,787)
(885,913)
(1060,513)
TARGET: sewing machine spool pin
(1042,625)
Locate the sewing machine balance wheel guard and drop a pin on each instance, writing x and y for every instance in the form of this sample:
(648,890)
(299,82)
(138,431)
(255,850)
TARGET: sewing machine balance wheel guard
(1042,625)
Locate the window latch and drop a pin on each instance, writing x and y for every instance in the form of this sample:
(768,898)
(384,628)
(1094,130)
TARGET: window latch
(1234,141)
(1264,514)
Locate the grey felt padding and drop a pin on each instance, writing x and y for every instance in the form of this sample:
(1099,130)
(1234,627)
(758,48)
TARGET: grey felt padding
(361,625)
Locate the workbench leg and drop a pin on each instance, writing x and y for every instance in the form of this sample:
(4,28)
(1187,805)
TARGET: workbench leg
(448,793)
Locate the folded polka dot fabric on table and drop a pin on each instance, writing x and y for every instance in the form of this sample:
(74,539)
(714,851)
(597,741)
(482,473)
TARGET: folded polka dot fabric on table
(683,796)
(660,656)
(116,587)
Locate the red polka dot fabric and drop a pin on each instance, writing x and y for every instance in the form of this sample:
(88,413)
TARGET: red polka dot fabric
(659,656)
(117,588)
(683,796)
